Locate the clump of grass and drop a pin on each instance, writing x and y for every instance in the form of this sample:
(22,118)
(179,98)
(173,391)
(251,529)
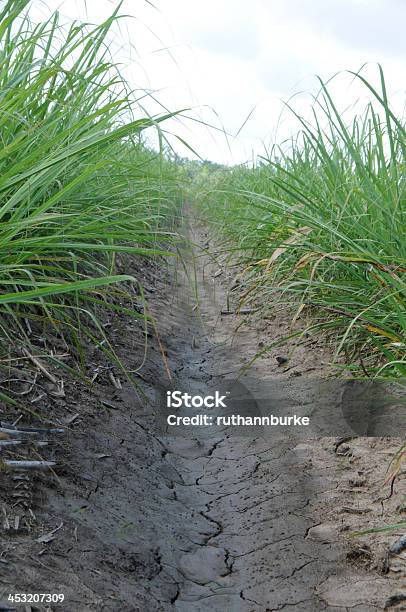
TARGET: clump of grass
(322,223)
(77,184)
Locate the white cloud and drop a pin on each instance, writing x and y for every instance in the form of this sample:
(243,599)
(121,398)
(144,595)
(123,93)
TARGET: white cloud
(232,55)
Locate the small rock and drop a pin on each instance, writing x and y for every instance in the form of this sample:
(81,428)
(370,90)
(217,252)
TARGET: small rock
(343,449)
(394,600)
(357,481)
(397,547)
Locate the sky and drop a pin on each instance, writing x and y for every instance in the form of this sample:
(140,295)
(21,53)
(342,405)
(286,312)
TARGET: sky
(235,63)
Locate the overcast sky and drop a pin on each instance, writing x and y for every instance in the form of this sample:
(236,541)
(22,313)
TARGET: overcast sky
(228,58)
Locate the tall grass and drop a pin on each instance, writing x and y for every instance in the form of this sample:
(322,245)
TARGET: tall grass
(77,184)
(322,225)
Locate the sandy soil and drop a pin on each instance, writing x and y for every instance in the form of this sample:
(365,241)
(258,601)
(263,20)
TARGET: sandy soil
(152,523)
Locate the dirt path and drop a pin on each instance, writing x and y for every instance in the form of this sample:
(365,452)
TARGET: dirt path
(217,523)
(269,541)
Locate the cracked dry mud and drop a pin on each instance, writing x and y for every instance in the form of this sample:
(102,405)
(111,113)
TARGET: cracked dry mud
(265,543)
(218,523)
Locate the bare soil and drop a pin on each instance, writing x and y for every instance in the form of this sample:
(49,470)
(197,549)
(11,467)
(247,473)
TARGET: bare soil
(152,523)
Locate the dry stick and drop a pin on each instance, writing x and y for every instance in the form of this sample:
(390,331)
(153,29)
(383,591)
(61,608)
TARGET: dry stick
(349,510)
(161,348)
(20,393)
(116,381)
(7,443)
(52,464)
(17,420)
(15,433)
(41,367)
(11,359)
(28,465)
(6,521)
(43,430)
